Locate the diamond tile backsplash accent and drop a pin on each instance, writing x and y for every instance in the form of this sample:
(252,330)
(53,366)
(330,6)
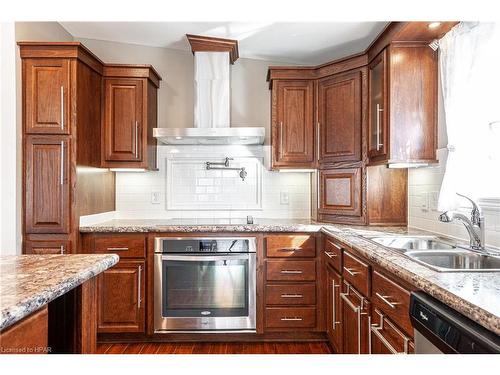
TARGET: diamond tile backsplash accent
(187,189)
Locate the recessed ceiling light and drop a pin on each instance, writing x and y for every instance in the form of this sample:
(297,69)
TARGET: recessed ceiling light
(178,137)
(434,25)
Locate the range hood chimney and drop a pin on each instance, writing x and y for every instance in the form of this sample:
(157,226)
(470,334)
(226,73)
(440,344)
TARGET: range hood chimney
(212,82)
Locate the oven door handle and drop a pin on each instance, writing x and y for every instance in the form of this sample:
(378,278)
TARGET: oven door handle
(206,258)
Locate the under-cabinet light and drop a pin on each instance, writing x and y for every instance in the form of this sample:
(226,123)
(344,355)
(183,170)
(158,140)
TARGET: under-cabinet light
(407,165)
(434,25)
(127,169)
(298,170)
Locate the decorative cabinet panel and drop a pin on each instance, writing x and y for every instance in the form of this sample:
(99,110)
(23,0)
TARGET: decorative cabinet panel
(123,111)
(339,111)
(292,124)
(334,324)
(47,184)
(340,192)
(121,291)
(46,92)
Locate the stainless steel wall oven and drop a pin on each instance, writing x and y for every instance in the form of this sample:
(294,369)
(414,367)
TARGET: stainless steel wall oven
(204,284)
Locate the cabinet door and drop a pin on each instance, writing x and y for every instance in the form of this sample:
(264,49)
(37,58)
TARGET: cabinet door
(47,184)
(121,298)
(340,118)
(293,130)
(47,96)
(386,338)
(355,314)
(334,314)
(378,116)
(47,247)
(123,119)
(340,191)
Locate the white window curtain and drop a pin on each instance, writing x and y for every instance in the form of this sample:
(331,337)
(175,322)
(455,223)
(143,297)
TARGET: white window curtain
(469,58)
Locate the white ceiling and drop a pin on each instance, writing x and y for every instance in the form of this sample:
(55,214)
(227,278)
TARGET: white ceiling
(291,42)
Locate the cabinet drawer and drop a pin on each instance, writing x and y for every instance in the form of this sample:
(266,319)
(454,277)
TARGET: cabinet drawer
(291,294)
(357,273)
(47,247)
(126,245)
(392,300)
(291,270)
(290,317)
(386,338)
(333,253)
(291,246)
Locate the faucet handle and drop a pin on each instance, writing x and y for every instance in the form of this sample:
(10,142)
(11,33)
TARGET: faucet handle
(476,211)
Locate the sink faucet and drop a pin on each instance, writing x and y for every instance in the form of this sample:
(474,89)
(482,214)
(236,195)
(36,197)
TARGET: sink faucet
(474,225)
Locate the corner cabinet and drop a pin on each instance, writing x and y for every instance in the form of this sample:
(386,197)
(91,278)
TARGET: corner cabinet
(340,192)
(403,105)
(292,127)
(130,114)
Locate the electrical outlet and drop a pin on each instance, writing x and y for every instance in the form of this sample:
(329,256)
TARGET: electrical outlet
(155,197)
(424,204)
(284,198)
(433,200)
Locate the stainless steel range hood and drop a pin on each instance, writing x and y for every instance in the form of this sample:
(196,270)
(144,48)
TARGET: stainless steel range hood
(212,101)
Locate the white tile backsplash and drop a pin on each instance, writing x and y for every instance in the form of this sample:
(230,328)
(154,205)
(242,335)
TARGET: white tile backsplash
(187,189)
(428,180)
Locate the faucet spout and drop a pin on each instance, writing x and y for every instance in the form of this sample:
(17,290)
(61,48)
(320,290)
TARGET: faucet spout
(475,239)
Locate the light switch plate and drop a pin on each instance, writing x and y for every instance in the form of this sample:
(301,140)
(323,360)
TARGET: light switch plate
(284,198)
(155,197)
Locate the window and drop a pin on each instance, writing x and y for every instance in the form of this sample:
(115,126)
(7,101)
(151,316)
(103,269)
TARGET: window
(469,56)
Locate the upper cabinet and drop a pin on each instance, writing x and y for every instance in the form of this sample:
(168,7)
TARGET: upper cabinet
(339,113)
(47,93)
(130,114)
(377,130)
(292,124)
(403,105)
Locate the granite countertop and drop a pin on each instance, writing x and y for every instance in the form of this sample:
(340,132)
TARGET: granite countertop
(474,294)
(28,282)
(202,225)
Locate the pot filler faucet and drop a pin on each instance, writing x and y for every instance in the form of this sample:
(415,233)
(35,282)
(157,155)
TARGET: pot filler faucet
(474,225)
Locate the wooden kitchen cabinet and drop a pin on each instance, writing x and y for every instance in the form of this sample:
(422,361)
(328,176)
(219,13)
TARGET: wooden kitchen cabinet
(386,338)
(123,119)
(47,91)
(130,114)
(292,129)
(340,192)
(47,184)
(355,313)
(340,119)
(402,119)
(121,291)
(48,246)
(334,325)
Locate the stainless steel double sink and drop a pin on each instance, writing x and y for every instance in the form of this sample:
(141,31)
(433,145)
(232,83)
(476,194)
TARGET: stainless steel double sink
(440,254)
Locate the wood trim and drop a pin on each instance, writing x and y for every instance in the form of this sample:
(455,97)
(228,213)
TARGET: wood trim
(132,71)
(201,43)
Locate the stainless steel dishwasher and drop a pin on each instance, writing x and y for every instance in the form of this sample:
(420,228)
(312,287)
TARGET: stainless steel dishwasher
(440,329)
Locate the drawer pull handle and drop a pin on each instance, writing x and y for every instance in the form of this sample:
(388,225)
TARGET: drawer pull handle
(335,245)
(294,319)
(292,296)
(291,272)
(289,249)
(117,248)
(351,271)
(330,254)
(376,329)
(384,299)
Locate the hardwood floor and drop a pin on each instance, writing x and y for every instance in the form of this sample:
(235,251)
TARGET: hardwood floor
(216,348)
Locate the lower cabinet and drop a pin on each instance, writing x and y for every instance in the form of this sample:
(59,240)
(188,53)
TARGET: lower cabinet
(355,320)
(333,313)
(121,291)
(386,338)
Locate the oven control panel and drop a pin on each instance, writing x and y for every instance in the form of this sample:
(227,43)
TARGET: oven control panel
(194,245)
